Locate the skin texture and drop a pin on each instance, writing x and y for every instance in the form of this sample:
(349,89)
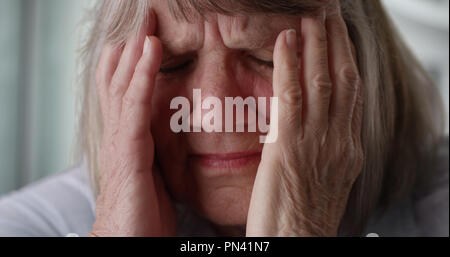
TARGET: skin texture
(298,186)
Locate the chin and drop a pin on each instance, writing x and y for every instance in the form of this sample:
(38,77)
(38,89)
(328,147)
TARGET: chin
(215,181)
(222,195)
(225,206)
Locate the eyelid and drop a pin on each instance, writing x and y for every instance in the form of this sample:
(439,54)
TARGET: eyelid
(170,58)
(176,68)
(168,61)
(172,64)
(261,57)
(262,62)
(262,54)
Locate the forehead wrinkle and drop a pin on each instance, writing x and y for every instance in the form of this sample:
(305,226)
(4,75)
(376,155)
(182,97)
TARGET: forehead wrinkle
(178,47)
(177,36)
(238,32)
(243,32)
(187,38)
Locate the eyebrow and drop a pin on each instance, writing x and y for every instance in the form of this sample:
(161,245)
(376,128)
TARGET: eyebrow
(238,37)
(253,43)
(171,52)
(173,48)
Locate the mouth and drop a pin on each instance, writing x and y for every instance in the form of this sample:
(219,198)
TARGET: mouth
(225,160)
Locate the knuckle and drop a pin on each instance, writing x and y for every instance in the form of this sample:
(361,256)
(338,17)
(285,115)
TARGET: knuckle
(292,95)
(349,75)
(318,134)
(358,160)
(116,88)
(359,104)
(128,101)
(321,36)
(322,83)
(110,135)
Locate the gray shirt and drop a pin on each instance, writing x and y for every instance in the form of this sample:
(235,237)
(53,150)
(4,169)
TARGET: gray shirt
(64,204)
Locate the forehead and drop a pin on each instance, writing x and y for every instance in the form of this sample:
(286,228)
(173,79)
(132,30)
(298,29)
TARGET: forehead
(237,32)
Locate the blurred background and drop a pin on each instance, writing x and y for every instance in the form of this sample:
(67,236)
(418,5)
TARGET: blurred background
(39,42)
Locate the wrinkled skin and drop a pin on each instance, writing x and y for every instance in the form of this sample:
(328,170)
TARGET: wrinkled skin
(297,186)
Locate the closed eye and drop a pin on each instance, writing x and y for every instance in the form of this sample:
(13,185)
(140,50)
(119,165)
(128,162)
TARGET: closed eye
(265,63)
(177,67)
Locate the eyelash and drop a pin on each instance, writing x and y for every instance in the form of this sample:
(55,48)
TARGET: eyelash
(268,64)
(184,65)
(176,68)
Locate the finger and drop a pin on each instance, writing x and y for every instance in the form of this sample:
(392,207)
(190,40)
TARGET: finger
(105,69)
(344,72)
(136,108)
(357,116)
(127,65)
(315,72)
(358,110)
(286,84)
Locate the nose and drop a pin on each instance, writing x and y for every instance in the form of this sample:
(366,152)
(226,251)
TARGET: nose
(213,80)
(213,76)
(214,72)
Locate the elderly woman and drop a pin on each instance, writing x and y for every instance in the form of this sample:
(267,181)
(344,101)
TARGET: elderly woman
(360,146)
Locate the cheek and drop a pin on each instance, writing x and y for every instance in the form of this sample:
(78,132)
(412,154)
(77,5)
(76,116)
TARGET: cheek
(160,107)
(254,83)
(163,94)
(172,145)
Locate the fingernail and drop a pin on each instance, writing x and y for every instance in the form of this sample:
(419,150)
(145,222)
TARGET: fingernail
(146,44)
(291,39)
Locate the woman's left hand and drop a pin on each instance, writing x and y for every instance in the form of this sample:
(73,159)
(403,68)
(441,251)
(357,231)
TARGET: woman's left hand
(305,178)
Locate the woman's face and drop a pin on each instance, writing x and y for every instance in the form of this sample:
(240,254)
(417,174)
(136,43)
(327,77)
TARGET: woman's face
(224,57)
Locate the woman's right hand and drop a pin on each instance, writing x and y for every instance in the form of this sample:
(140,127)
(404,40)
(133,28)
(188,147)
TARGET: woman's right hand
(133,200)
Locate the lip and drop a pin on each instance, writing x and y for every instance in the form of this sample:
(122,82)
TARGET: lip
(225,160)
